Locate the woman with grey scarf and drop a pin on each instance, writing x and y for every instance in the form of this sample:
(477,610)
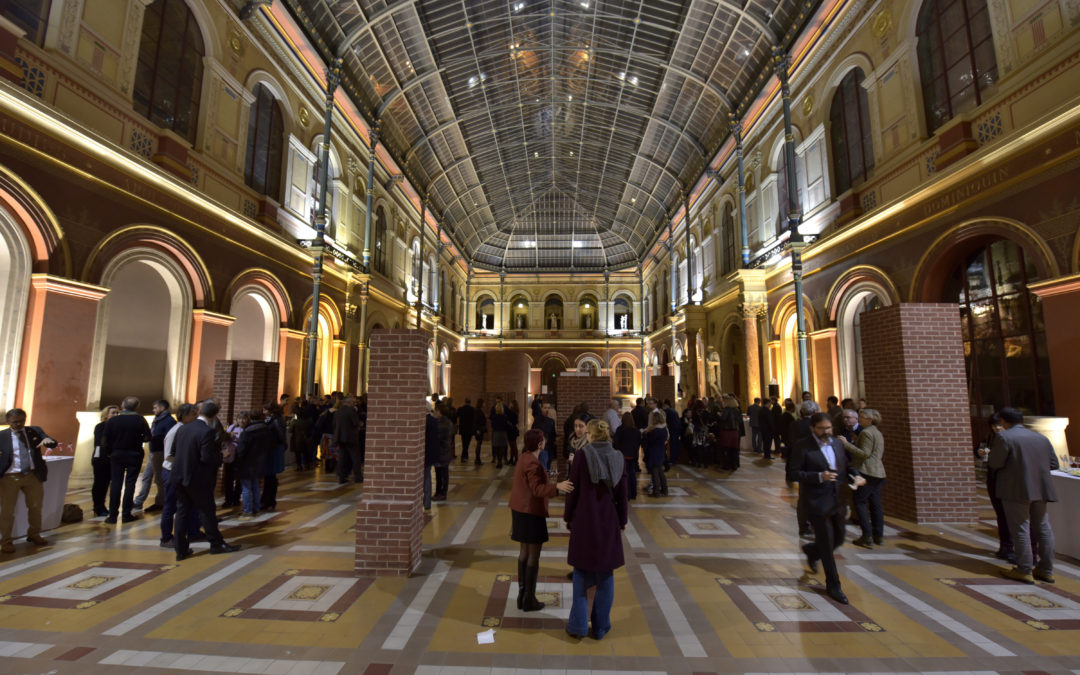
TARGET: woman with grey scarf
(596,513)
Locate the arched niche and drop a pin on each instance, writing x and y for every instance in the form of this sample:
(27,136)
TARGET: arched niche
(15,269)
(254,334)
(623,312)
(485,313)
(519,312)
(553,312)
(143,336)
(588,312)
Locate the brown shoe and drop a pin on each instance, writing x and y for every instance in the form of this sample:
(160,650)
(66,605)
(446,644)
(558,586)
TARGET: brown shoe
(7,547)
(1016,574)
(1045,577)
(38,540)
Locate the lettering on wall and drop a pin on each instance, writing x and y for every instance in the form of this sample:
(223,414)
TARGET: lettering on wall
(968,189)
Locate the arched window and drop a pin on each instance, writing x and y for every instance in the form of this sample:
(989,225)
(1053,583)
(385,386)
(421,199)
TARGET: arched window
(956,57)
(849,122)
(1003,332)
(752,226)
(624,378)
(730,233)
(168,80)
(266,128)
(379,255)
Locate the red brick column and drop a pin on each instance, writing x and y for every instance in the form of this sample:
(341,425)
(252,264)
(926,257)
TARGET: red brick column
(913,361)
(389,519)
(662,387)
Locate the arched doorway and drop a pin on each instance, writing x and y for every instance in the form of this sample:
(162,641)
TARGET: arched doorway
(549,378)
(254,334)
(14,294)
(848,324)
(144,330)
(732,353)
(1002,328)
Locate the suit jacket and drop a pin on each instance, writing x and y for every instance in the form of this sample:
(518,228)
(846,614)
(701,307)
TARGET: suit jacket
(805,465)
(347,426)
(867,452)
(1024,460)
(34,435)
(197,456)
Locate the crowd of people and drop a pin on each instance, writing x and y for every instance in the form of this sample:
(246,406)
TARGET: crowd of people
(835,456)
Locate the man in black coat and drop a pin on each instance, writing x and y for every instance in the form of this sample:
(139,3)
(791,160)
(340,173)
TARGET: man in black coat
(347,436)
(765,425)
(125,435)
(195,465)
(466,421)
(818,464)
(22,469)
(547,425)
(753,411)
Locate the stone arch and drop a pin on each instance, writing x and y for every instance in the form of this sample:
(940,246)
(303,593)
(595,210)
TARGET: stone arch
(142,340)
(47,245)
(852,60)
(592,359)
(784,327)
(375,320)
(254,333)
(16,260)
(773,158)
(733,355)
(857,290)
(257,276)
(205,22)
(937,263)
(158,239)
(328,328)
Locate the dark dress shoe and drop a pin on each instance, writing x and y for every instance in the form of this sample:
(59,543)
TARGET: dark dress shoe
(224,548)
(101,514)
(838,595)
(862,541)
(878,541)
(167,543)
(110,521)
(184,555)
(811,559)
(129,518)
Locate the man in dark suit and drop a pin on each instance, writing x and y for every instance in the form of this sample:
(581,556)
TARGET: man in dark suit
(753,411)
(197,456)
(816,463)
(22,469)
(1024,459)
(466,422)
(125,435)
(347,437)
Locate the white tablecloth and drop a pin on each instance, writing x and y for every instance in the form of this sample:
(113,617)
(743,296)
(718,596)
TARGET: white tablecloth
(55,492)
(1065,514)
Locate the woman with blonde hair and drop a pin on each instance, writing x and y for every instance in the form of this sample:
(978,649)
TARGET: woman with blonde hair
(596,513)
(101,464)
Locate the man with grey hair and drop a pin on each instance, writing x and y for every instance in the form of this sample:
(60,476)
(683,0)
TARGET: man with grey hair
(612,415)
(1024,459)
(125,435)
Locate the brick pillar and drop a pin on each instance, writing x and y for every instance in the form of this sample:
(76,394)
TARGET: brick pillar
(913,360)
(389,519)
(662,387)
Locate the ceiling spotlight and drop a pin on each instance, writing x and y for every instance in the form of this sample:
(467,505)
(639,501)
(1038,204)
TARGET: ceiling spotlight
(569,97)
(633,200)
(518,6)
(536,154)
(584,4)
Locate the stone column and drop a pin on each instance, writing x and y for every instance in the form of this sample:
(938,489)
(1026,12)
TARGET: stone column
(389,519)
(209,343)
(913,359)
(56,368)
(750,313)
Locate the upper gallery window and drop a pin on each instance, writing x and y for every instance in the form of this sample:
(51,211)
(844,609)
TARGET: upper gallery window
(262,169)
(956,57)
(168,81)
(30,15)
(849,126)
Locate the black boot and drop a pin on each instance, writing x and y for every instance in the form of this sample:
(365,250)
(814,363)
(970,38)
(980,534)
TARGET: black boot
(521,583)
(529,603)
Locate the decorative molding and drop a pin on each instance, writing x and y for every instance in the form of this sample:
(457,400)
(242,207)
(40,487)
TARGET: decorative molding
(70,20)
(129,48)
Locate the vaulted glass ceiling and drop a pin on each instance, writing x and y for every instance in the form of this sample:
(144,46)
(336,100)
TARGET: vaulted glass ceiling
(552,134)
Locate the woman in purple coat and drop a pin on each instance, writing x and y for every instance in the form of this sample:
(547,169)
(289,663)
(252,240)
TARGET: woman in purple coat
(596,513)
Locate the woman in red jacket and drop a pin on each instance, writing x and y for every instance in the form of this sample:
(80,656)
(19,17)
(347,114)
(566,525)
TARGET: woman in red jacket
(529,511)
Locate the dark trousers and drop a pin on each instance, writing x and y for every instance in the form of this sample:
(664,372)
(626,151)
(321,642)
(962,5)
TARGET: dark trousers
(349,460)
(465,440)
(194,504)
(479,442)
(102,476)
(766,443)
(631,478)
(124,467)
(442,480)
(673,450)
(230,485)
(755,438)
(268,496)
(828,536)
(168,510)
(802,513)
(867,500)
(659,480)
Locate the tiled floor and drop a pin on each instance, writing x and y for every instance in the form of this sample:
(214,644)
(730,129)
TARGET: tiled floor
(714,582)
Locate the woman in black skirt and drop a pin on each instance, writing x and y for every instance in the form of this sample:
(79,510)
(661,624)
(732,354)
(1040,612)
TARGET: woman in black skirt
(529,511)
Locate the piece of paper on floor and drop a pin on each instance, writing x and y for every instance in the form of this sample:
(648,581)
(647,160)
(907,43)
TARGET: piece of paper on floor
(487,637)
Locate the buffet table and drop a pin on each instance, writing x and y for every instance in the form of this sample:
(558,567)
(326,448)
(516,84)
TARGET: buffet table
(52,506)
(1063,514)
